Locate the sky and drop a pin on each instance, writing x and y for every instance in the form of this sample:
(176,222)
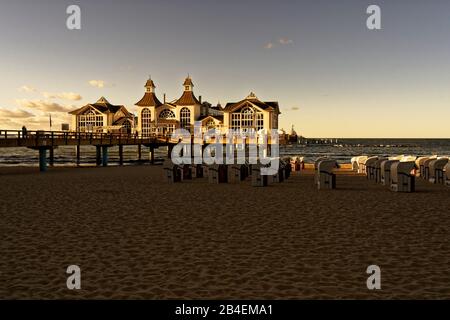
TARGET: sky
(332,76)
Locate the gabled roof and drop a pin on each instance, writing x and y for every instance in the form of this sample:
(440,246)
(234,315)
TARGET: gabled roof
(102,105)
(187,99)
(149,100)
(150,83)
(252,100)
(203,118)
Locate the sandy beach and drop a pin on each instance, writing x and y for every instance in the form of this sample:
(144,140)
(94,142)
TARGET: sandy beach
(136,237)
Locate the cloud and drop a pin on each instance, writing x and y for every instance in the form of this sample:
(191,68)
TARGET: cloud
(97,83)
(285,41)
(45,106)
(28,89)
(63,95)
(8,114)
(268,45)
(295,108)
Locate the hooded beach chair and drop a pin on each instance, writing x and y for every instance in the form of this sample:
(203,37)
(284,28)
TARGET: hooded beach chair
(401,178)
(436,170)
(325,177)
(386,171)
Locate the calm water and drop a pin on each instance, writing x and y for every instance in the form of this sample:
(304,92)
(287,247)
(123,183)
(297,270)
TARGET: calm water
(343,151)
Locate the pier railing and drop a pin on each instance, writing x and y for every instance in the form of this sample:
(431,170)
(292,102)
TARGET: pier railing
(17,138)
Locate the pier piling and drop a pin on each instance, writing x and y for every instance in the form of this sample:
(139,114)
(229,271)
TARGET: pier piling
(42,159)
(78,154)
(98,155)
(139,152)
(152,155)
(121,155)
(105,156)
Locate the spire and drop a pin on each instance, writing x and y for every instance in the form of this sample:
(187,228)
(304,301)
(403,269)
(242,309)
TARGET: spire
(252,96)
(188,84)
(150,85)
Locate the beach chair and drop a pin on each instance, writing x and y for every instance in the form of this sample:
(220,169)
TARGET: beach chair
(287,168)
(436,170)
(197,171)
(401,178)
(187,171)
(447,174)
(386,171)
(258,180)
(426,168)
(316,168)
(172,172)
(370,167)
(377,169)
(326,179)
(355,163)
(236,173)
(419,164)
(362,163)
(296,163)
(217,173)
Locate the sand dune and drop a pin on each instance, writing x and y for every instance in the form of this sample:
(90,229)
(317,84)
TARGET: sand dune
(135,236)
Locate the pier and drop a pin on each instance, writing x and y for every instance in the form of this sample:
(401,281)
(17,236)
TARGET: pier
(46,141)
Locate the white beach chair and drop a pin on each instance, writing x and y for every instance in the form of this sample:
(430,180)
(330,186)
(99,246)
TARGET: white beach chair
(426,167)
(197,171)
(258,180)
(326,179)
(316,168)
(386,171)
(401,178)
(172,172)
(355,161)
(377,169)
(217,173)
(419,164)
(436,170)
(362,164)
(447,174)
(296,163)
(236,173)
(370,167)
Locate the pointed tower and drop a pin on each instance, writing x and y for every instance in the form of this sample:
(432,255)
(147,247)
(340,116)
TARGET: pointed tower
(147,109)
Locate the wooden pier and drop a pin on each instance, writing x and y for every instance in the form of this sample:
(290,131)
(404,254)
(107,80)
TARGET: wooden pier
(44,141)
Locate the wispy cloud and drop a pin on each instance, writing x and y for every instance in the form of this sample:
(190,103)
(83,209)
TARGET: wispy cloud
(285,41)
(27,88)
(97,83)
(45,106)
(63,95)
(268,45)
(5,113)
(295,108)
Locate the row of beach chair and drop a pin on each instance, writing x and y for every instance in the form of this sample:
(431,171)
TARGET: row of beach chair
(222,173)
(399,172)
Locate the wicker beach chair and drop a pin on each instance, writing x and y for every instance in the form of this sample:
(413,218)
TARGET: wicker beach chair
(258,180)
(370,167)
(172,172)
(325,177)
(386,172)
(436,170)
(401,178)
(447,174)
(377,169)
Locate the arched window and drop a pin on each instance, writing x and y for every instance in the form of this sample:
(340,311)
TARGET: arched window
(126,127)
(89,120)
(247,118)
(210,124)
(167,114)
(146,120)
(185,118)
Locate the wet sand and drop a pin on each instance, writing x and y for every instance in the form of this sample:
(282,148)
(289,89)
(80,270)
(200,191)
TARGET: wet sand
(135,236)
